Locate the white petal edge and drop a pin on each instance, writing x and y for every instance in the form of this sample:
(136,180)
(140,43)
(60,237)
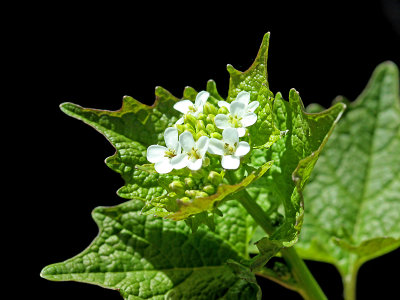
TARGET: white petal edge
(202,145)
(201,99)
(242,149)
(241,131)
(243,97)
(238,108)
(156,153)
(180,161)
(248,119)
(224,104)
(195,165)
(183,106)
(230,136)
(216,146)
(222,121)
(186,140)
(180,121)
(164,166)
(253,106)
(171,138)
(230,162)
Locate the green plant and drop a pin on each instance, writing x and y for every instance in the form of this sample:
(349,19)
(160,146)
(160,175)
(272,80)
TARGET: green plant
(207,178)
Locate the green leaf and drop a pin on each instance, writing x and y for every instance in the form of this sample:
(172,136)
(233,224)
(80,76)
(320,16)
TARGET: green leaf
(353,198)
(294,155)
(150,258)
(131,130)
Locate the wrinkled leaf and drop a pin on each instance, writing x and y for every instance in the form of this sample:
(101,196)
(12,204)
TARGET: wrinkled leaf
(150,258)
(353,198)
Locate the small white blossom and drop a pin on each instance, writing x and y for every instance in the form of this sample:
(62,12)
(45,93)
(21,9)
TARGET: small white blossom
(162,156)
(229,148)
(241,113)
(188,107)
(193,152)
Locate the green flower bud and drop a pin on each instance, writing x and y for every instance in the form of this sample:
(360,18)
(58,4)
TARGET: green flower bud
(191,193)
(210,128)
(200,125)
(223,110)
(208,108)
(206,162)
(201,194)
(210,119)
(201,116)
(177,187)
(209,189)
(190,119)
(214,178)
(216,135)
(181,128)
(184,199)
(200,134)
(189,182)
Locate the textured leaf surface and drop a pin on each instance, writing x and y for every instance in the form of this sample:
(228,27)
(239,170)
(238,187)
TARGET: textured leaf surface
(151,258)
(293,156)
(353,198)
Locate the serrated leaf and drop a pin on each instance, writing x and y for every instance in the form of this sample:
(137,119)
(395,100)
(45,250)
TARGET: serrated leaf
(293,156)
(150,258)
(353,198)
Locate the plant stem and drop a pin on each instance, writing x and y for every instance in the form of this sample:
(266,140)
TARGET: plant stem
(310,289)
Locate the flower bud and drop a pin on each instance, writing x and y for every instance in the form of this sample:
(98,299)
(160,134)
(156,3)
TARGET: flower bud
(206,162)
(210,109)
(189,182)
(177,187)
(210,119)
(200,125)
(185,199)
(210,128)
(190,119)
(214,178)
(201,194)
(223,110)
(200,134)
(216,135)
(181,128)
(209,189)
(191,193)
(201,116)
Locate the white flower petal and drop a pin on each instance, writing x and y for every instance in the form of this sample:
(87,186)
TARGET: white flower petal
(238,108)
(216,146)
(230,136)
(171,138)
(164,166)
(241,131)
(253,106)
(224,104)
(180,121)
(242,149)
(183,106)
(243,97)
(222,121)
(202,145)
(156,153)
(186,140)
(195,165)
(180,161)
(230,162)
(248,119)
(201,99)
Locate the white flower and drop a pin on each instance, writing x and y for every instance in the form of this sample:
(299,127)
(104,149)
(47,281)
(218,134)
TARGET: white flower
(229,148)
(187,106)
(162,156)
(241,113)
(194,152)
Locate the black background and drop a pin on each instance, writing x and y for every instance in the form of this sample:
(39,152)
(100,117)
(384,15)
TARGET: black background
(95,55)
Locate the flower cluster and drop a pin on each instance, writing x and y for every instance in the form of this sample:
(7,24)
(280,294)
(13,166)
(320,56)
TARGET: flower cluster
(205,129)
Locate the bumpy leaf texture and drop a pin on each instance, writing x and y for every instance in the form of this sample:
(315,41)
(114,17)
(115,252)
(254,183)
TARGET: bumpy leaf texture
(150,258)
(353,198)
